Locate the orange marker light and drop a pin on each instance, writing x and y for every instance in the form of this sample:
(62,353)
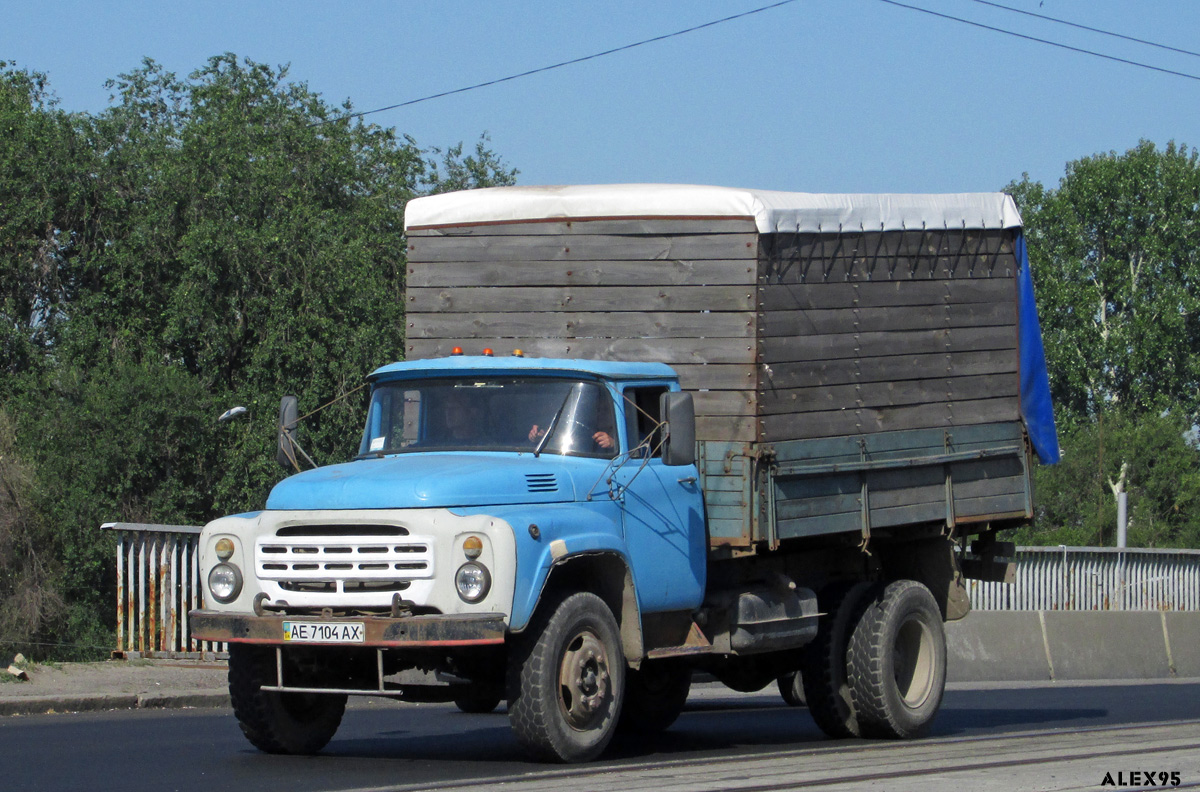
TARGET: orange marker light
(456,351)
(472,547)
(518,353)
(487,352)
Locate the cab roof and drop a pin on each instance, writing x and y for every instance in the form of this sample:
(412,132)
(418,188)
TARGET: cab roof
(530,366)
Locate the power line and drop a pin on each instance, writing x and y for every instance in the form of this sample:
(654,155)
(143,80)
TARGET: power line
(1085,27)
(1042,41)
(571,62)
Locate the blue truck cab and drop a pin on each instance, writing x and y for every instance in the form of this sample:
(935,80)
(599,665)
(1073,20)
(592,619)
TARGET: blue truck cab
(477,480)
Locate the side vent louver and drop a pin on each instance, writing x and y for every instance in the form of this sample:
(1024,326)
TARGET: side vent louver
(541,482)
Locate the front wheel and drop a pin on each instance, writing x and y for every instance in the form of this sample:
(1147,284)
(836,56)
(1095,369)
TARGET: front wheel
(477,700)
(566,681)
(898,662)
(279,723)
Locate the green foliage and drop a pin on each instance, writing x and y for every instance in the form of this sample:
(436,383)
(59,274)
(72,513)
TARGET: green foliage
(1075,501)
(204,242)
(1115,252)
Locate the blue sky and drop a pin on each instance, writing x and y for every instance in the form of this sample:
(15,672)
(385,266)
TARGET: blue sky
(816,96)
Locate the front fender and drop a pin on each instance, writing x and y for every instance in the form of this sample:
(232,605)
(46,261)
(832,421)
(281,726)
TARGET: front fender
(548,535)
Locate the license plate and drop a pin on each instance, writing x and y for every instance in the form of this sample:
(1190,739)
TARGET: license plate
(324,632)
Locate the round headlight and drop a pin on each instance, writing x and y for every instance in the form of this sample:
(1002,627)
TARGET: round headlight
(472,581)
(225,582)
(224,548)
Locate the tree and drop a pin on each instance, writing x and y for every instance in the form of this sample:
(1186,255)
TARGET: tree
(1074,499)
(40,165)
(1115,252)
(216,240)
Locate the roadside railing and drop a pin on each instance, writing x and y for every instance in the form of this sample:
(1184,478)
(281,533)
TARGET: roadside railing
(158,582)
(1095,578)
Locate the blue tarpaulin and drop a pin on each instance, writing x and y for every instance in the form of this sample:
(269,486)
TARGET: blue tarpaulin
(1036,408)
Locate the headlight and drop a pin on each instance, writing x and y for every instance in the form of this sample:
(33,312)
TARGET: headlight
(472,581)
(225,582)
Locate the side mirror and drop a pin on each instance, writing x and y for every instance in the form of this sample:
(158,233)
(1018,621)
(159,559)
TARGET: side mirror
(287,451)
(677,410)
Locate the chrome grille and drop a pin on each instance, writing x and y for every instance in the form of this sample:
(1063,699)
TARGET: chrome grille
(299,558)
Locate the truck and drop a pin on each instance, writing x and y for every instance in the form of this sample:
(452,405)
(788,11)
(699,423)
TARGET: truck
(648,431)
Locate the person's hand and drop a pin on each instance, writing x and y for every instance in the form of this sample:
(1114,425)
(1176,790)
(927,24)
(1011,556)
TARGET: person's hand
(603,439)
(535,433)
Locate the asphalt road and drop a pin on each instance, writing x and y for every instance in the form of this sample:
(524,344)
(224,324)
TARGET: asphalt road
(748,739)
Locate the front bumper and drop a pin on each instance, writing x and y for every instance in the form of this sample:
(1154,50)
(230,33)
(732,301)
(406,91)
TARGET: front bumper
(403,631)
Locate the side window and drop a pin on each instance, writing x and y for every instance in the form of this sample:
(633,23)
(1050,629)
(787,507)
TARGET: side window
(642,420)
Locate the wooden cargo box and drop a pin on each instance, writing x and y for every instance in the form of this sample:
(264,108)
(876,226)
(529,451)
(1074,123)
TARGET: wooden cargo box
(854,359)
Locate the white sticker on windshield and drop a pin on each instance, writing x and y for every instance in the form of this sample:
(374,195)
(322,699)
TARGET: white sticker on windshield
(376,443)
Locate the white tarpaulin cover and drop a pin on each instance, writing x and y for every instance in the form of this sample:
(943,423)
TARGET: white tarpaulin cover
(772,211)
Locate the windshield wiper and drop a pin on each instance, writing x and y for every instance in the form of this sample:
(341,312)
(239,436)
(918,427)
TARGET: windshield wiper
(550,427)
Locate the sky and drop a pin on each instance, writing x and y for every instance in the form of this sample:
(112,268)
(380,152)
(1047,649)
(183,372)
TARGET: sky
(812,96)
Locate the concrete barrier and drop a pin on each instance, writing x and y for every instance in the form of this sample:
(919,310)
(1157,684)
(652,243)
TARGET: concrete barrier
(1002,646)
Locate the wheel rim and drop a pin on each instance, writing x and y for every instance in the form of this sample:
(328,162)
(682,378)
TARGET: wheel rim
(914,662)
(584,681)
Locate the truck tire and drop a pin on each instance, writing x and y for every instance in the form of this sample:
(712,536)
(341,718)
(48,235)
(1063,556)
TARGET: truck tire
(898,662)
(477,700)
(791,687)
(655,694)
(279,723)
(824,669)
(566,681)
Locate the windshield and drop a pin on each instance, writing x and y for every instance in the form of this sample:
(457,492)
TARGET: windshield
(527,414)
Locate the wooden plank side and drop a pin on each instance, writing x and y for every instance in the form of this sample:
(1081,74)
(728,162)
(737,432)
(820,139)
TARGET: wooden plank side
(581,298)
(653,226)
(851,421)
(930,243)
(882,369)
(869,294)
(715,377)
(899,445)
(891,393)
(727,428)
(583,247)
(788,349)
(909,268)
(598,324)
(775,324)
(724,402)
(666,272)
(655,350)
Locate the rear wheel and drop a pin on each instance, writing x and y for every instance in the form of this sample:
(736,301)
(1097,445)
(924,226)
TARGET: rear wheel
(566,681)
(280,723)
(791,687)
(898,662)
(824,668)
(655,694)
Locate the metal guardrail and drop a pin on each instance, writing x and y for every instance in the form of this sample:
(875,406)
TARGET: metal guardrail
(158,582)
(1095,578)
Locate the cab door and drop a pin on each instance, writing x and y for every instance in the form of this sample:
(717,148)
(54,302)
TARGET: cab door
(662,510)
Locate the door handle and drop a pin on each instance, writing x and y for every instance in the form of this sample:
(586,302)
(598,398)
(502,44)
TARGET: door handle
(688,480)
